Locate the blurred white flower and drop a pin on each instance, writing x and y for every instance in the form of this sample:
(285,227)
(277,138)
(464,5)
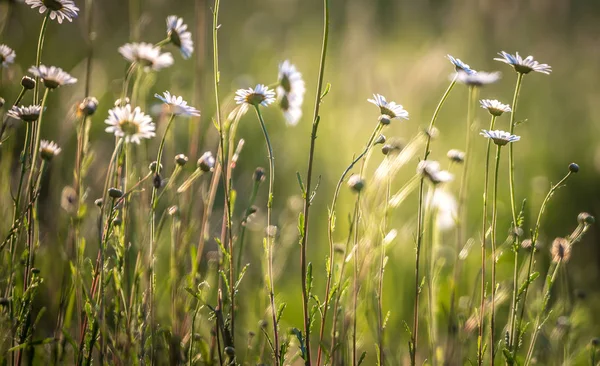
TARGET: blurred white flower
(431,170)
(445,208)
(500,138)
(260,95)
(133,125)
(456,156)
(494,107)
(476,78)
(7,55)
(147,55)
(52,76)
(180,36)
(390,109)
(59,9)
(26,114)
(291,91)
(177,105)
(49,149)
(524,65)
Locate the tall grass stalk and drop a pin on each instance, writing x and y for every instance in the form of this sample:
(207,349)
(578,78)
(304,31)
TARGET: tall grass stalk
(308,194)
(415,330)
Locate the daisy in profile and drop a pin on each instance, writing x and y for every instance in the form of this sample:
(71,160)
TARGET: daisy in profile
(180,36)
(290,91)
(49,149)
(388,110)
(7,55)
(476,78)
(446,209)
(260,95)
(147,55)
(524,65)
(131,124)
(500,138)
(494,107)
(177,105)
(431,170)
(459,65)
(59,9)
(25,114)
(52,76)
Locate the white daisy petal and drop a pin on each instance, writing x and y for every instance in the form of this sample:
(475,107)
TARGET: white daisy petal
(476,78)
(500,138)
(260,95)
(177,105)
(524,66)
(131,124)
(147,55)
(390,109)
(179,36)
(59,9)
(431,170)
(52,76)
(494,107)
(7,55)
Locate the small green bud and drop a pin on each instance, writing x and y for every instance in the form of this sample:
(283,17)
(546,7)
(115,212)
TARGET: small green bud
(115,193)
(573,168)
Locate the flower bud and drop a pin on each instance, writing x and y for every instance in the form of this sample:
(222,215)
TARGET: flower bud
(356,183)
(115,193)
(181,159)
(259,175)
(28,82)
(585,218)
(230,352)
(206,162)
(456,156)
(117,221)
(152,167)
(380,140)
(98,202)
(35,271)
(88,106)
(157,181)
(384,119)
(573,168)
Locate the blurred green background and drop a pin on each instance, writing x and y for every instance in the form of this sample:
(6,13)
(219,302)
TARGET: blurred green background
(396,48)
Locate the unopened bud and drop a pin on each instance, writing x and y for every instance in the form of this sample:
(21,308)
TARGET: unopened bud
(152,167)
(384,119)
(206,162)
(181,159)
(259,174)
(115,193)
(157,181)
(585,218)
(28,82)
(573,168)
(356,183)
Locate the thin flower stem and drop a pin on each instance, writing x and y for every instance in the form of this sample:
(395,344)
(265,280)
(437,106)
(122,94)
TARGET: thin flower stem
(38,55)
(537,326)
(4,122)
(269,236)
(251,202)
(483,240)
(415,331)
(330,228)
(355,279)
(523,298)
(308,190)
(493,235)
(380,319)
(511,174)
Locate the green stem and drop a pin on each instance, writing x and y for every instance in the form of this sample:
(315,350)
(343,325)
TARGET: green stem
(308,190)
(269,238)
(4,122)
(415,332)
(534,239)
(493,235)
(251,202)
(483,242)
(38,55)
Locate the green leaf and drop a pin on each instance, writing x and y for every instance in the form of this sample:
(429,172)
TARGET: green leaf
(362,358)
(326,91)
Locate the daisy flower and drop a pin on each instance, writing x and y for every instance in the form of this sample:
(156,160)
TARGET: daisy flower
(52,76)
(432,171)
(206,162)
(291,91)
(49,149)
(133,125)
(260,95)
(476,78)
(180,36)
(500,138)
(446,209)
(459,65)
(456,156)
(26,114)
(7,55)
(177,105)
(59,9)
(389,110)
(147,55)
(524,65)
(494,107)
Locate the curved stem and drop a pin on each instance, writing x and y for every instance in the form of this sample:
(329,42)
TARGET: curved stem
(38,55)
(269,236)
(415,332)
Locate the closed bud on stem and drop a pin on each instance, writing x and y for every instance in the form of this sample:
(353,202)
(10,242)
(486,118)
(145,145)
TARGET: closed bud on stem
(28,82)
(181,159)
(98,202)
(573,168)
(230,352)
(380,140)
(356,183)
(384,119)
(152,167)
(157,181)
(259,174)
(115,193)
(88,106)
(206,162)
(585,218)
